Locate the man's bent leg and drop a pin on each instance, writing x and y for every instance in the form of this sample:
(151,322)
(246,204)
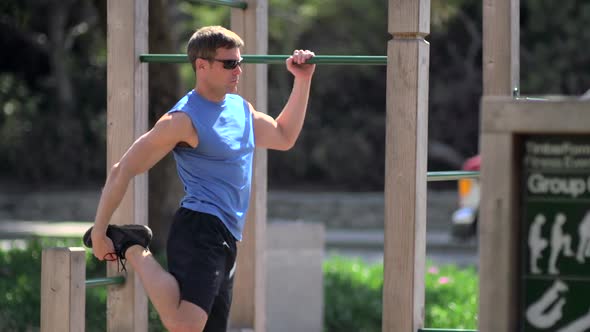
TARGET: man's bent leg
(163,290)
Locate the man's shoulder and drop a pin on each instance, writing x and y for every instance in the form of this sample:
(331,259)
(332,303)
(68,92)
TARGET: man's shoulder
(175,119)
(177,125)
(178,115)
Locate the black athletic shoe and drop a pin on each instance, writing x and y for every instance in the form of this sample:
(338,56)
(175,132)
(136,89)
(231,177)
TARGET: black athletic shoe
(123,237)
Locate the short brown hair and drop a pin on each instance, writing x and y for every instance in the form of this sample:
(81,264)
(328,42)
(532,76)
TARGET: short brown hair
(205,42)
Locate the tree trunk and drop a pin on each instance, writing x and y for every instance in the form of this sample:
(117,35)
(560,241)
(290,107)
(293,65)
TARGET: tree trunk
(165,190)
(58,16)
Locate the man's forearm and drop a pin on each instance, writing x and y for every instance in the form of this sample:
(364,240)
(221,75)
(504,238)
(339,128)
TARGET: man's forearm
(112,194)
(291,118)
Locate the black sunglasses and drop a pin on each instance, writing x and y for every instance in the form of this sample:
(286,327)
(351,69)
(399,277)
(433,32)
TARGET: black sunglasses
(229,64)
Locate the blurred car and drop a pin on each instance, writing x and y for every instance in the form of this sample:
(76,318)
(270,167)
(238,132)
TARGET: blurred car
(464,219)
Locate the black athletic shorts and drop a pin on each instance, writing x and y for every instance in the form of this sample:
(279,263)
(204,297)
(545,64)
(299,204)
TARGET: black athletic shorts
(201,256)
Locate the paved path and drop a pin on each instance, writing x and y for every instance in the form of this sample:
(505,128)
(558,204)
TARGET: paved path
(441,248)
(366,244)
(333,209)
(354,221)
(10,229)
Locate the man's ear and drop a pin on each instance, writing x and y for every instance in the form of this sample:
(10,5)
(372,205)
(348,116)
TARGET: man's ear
(200,63)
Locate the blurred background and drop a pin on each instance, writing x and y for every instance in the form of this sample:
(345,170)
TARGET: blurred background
(53,114)
(53,94)
(53,97)
(53,101)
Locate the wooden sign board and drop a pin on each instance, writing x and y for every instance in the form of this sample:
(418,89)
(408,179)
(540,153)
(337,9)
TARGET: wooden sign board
(555,228)
(535,216)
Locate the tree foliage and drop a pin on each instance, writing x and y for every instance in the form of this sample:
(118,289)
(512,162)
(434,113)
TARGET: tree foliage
(52,100)
(553,55)
(53,82)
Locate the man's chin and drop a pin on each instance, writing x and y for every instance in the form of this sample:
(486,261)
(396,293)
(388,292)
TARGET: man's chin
(233,89)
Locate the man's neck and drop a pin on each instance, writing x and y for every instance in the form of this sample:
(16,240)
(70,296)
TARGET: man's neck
(211,95)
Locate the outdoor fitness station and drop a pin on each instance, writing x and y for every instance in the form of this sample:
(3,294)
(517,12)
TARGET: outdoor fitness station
(536,169)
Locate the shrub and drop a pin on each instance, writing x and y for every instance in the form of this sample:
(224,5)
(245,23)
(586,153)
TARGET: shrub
(20,288)
(353,293)
(451,297)
(353,296)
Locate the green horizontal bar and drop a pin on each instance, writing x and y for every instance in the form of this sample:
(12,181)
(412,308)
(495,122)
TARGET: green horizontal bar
(163,58)
(451,175)
(118,280)
(445,330)
(277,59)
(228,3)
(531,98)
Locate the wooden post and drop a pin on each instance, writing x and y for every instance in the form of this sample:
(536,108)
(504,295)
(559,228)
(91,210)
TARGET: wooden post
(501,42)
(405,158)
(127,112)
(63,289)
(501,65)
(496,237)
(248,308)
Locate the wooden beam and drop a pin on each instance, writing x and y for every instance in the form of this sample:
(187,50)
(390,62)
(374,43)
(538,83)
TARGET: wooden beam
(63,289)
(249,300)
(504,115)
(501,42)
(127,119)
(405,159)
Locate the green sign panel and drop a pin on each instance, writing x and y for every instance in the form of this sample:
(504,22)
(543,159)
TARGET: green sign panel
(555,234)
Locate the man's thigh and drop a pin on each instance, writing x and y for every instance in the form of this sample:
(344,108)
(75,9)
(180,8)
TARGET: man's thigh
(200,257)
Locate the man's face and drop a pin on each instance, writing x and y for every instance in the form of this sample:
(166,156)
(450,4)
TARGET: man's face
(221,72)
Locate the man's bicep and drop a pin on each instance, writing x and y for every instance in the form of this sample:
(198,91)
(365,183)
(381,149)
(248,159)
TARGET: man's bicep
(145,152)
(267,132)
(154,145)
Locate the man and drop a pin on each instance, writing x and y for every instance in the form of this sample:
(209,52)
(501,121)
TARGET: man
(212,133)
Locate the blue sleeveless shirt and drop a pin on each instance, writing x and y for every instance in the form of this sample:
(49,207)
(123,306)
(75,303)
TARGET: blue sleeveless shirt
(217,173)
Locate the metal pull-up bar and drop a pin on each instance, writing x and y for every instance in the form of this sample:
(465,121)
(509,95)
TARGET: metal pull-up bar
(277,59)
(227,3)
(318,59)
(451,175)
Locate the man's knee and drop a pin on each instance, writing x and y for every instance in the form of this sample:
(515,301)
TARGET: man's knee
(183,325)
(187,318)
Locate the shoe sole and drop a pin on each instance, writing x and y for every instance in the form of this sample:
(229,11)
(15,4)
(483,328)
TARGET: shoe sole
(87,238)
